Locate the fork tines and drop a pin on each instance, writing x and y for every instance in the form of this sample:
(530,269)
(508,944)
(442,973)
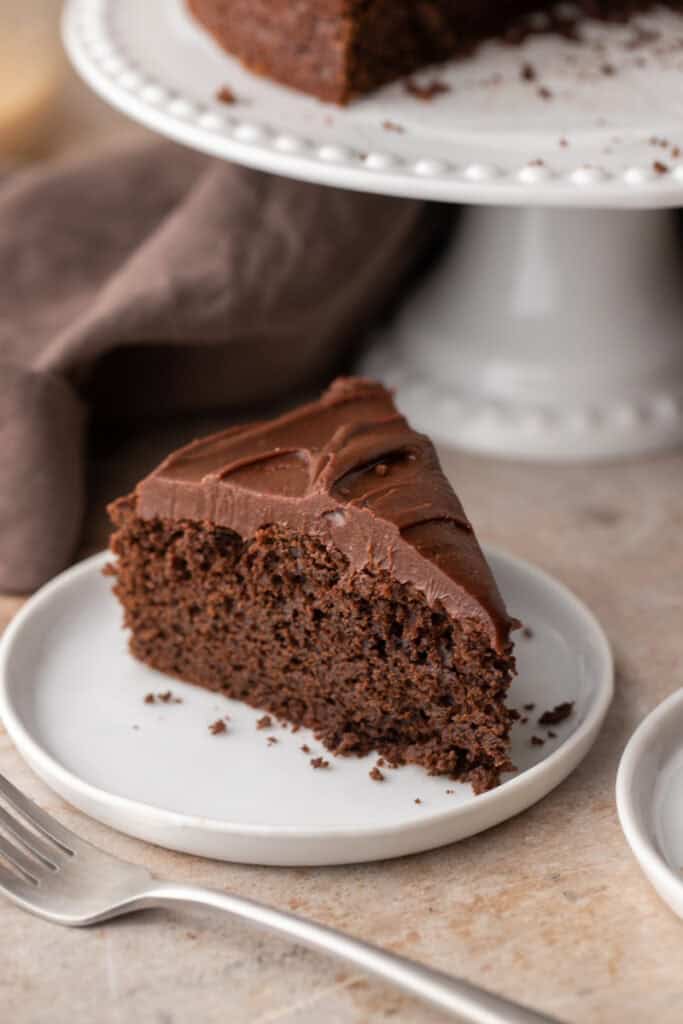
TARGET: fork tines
(29,851)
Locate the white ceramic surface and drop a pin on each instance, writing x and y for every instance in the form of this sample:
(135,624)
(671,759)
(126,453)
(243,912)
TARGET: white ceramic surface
(650,798)
(72,700)
(493,138)
(545,333)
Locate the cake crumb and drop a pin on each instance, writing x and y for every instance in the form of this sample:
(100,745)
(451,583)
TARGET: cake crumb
(150,698)
(545,93)
(295,728)
(524,719)
(376,775)
(265,722)
(226,95)
(169,698)
(641,36)
(552,735)
(529,707)
(528,73)
(272,740)
(537,741)
(381,762)
(393,126)
(660,168)
(319,762)
(218,727)
(528,633)
(557,714)
(427,92)
(305,748)
(417,800)
(564,142)
(450,792)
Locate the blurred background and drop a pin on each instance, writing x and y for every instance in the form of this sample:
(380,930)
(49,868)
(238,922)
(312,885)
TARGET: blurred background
(44,109)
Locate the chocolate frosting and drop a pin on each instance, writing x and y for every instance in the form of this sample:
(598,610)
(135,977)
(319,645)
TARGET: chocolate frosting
(349,470)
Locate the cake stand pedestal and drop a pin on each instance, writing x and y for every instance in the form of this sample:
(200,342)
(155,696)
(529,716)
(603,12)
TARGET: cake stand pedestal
(552,329)
(547,333)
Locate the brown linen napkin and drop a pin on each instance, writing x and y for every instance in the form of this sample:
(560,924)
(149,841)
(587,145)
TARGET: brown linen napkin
(151,281)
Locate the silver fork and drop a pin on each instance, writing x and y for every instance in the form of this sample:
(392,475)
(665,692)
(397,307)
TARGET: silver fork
(50,872)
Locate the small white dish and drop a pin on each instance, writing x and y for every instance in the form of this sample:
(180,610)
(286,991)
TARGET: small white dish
(72,700)
(650,798)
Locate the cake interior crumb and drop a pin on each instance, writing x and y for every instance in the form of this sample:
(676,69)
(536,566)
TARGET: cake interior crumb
(557,714)
(427,92)
(169,698)
(226,95)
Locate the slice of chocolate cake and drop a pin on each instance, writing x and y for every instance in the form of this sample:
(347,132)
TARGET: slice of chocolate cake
(320,567)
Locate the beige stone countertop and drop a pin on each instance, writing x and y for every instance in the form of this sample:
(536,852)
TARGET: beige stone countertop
(549,908)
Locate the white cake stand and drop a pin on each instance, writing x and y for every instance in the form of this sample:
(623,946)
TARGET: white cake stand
(553,326)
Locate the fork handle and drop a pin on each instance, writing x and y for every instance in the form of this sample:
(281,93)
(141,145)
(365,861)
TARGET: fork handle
(451,995)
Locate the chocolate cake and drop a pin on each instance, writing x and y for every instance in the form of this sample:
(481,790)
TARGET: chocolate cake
(337,49)
(321,568)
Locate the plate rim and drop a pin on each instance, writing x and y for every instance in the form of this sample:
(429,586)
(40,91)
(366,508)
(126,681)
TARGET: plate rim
(643,846)
(49,768)
(90,46)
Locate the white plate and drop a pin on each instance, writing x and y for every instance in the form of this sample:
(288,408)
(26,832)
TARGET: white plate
(492,139)
(71,698)
(650,798)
